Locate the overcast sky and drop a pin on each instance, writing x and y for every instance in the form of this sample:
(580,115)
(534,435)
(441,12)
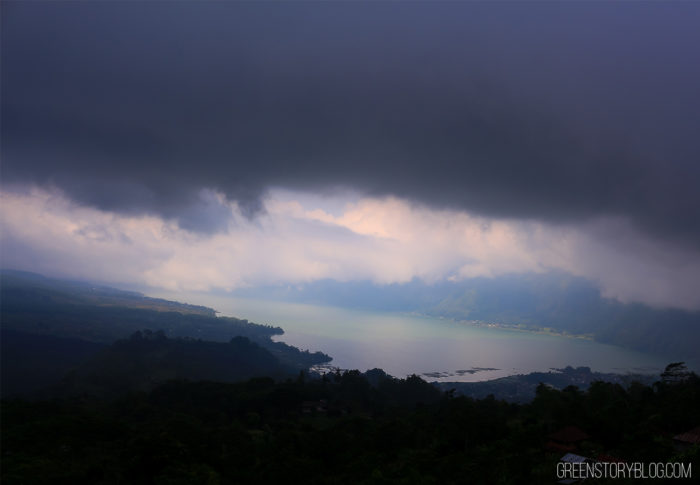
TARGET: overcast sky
(212,145)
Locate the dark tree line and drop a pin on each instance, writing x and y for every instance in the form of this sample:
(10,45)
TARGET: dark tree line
(342,428)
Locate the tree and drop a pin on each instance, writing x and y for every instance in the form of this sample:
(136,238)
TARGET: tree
(675,372)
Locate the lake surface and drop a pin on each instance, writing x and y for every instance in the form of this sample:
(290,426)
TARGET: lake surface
(404,344)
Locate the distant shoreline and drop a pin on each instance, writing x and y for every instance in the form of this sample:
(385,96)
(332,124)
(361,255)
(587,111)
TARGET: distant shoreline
(516,327)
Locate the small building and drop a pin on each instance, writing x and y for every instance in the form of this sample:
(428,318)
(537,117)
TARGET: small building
(685,440)
(574,458)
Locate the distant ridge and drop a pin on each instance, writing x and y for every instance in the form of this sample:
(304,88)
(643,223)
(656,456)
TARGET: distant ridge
(81,292)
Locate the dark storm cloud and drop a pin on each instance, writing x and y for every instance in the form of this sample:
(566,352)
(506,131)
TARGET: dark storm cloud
(546,111)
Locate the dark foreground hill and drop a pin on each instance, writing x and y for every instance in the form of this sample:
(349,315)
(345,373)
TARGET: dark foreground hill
(343,429)
(50,327)
(148,359)
(30,363)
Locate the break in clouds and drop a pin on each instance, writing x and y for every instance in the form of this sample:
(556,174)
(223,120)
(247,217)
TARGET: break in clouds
(296,240)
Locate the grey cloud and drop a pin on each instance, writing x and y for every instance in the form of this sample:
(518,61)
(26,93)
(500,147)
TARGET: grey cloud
(207,214)
(545,111)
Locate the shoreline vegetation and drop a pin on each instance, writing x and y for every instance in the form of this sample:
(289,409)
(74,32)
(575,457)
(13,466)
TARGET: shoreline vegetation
(515,327)
(530,329)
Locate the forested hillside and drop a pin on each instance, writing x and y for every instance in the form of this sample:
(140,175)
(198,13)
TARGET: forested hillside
(342,429)
(50,327)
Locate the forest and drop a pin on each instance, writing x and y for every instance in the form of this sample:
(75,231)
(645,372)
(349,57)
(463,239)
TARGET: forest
(341,428)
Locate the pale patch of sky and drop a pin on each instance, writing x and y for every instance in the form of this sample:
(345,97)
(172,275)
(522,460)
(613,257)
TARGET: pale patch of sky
(302,237)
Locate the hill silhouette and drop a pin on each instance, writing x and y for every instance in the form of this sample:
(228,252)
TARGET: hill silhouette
(50,327)
(148,359)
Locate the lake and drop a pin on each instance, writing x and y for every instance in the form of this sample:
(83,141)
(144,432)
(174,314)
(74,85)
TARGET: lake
(404,344)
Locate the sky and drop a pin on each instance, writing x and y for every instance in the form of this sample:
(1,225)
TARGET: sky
(219,145)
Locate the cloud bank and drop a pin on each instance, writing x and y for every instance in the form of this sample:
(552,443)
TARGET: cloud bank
(296,240)
(200,145)
(558,113)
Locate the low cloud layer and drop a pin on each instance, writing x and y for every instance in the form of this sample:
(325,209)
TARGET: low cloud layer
(562,114)
(298,239)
